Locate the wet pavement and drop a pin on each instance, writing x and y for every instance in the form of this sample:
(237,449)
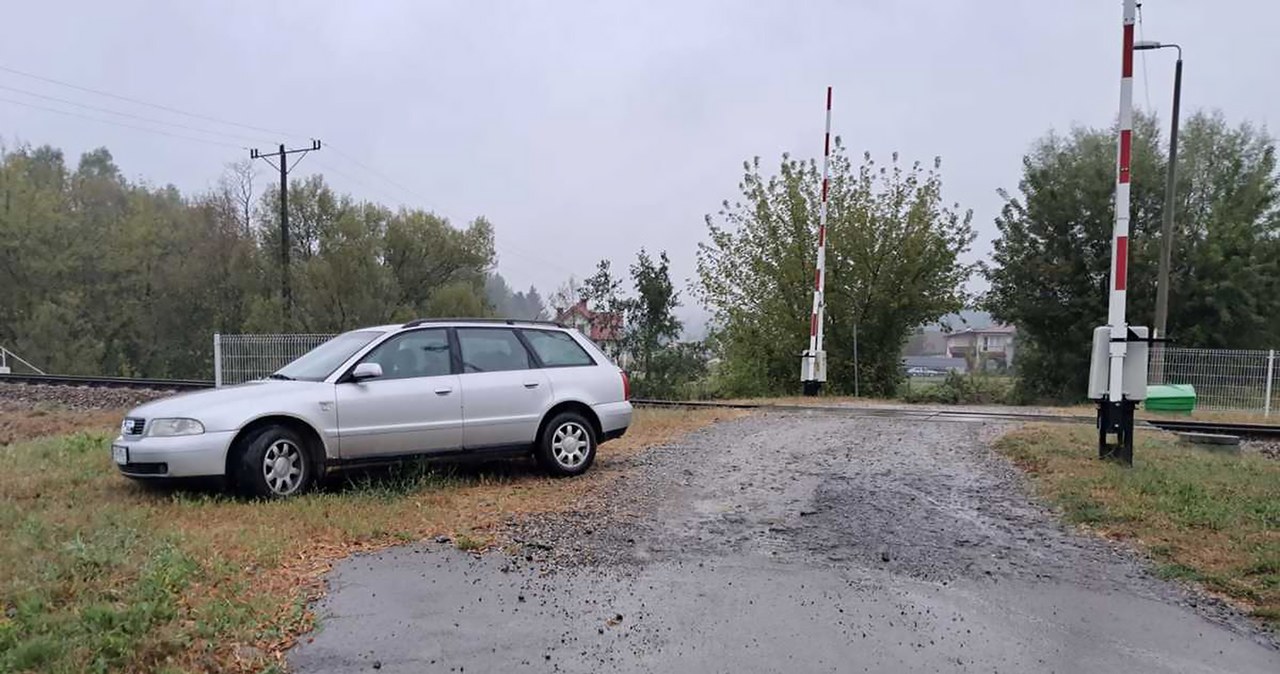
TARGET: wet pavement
(785,542)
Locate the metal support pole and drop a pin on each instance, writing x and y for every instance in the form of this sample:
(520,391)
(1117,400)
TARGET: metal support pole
(1271,371)
(857,374)
(217,360)
(1166,226)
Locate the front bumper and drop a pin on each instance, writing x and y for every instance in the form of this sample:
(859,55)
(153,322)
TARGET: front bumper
(201,455)
(615,418)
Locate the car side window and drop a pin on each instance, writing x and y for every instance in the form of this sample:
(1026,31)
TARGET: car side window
(421,353)
(557,349)
(492,350)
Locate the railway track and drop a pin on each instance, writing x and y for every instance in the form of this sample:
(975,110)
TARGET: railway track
(1267,431)
(106,382)
(1245,430)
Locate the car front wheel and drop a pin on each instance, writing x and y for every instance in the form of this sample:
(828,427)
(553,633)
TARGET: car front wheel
(567,446)
(275,463)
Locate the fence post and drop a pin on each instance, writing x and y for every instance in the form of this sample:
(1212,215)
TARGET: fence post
(1271,368)
(217,360)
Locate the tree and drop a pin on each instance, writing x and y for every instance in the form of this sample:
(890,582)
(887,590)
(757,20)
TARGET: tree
(892,264)
(566,295)
(648,317)
(524,305)
(109,276)
(601,290)
(1050,271)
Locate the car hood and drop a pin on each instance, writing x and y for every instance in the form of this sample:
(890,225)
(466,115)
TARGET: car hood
(199,404)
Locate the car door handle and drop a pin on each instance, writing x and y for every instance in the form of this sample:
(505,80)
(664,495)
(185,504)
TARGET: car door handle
(531,384)
(444,391)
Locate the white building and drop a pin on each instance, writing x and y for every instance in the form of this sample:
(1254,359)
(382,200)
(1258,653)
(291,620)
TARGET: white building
(991,345)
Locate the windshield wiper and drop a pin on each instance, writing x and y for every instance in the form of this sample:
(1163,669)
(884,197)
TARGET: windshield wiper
(282,377)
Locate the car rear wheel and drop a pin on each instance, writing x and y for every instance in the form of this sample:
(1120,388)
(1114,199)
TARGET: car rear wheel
(275,463)
(567,446)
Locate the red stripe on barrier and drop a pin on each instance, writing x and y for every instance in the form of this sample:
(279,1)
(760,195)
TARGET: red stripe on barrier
(822,236)
(826,146)
(1126,70)
(1122,261)
(828,98)
(813,325)
(824,190)
(817,278)
(1126,142)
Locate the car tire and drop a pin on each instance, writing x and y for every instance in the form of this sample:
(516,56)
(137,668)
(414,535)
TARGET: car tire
(567,446)
(275,463)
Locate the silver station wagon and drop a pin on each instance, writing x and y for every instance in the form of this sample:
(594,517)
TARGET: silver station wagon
(427,387)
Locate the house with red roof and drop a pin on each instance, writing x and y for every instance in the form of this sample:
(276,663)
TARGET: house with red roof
(602,327)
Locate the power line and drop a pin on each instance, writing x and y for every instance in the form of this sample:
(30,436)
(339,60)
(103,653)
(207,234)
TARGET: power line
(128,115)
(99,92)
(121,124)
(208,118)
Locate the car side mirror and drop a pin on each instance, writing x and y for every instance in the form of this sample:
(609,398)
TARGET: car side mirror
(366,371)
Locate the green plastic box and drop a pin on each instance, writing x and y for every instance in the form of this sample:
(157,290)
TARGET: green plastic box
(1179,398)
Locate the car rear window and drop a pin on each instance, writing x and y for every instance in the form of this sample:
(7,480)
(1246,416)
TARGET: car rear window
(557,349)
(492,350)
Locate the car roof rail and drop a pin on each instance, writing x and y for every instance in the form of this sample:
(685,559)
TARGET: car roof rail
(502,321)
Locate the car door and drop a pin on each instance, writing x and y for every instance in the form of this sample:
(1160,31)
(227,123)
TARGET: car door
(504,394)
(414,407)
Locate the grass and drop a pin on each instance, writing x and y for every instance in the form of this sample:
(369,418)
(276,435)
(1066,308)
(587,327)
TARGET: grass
(1210,518)
(98,574)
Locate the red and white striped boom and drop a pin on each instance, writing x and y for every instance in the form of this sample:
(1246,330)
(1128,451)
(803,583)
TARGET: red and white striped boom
(820,272)
(1120,235)
(813,362)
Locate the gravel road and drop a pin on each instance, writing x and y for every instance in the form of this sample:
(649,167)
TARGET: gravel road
(785,542)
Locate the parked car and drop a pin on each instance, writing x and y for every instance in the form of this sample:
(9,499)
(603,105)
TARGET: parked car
(427,387)
(924,372)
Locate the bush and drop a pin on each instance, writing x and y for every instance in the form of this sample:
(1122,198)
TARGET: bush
(961,389)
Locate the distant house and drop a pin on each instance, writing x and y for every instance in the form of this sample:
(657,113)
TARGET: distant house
(602,327)
(986,348)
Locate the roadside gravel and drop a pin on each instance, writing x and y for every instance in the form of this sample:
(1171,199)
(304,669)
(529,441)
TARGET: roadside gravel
(785,542)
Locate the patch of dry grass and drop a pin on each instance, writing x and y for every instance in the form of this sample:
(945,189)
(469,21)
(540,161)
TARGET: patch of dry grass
(1206,517)
(20,422)
(100,574)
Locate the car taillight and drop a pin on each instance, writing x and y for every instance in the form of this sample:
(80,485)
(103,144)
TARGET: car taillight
(626,386)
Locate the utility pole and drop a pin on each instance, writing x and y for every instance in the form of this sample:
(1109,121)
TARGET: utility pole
(286,291)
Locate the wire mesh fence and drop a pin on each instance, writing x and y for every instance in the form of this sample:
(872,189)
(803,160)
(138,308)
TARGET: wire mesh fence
(241,358)
(1224,379)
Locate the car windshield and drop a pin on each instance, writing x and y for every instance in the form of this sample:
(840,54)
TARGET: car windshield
(321,361)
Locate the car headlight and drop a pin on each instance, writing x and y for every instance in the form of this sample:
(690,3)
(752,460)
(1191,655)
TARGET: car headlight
(165,428)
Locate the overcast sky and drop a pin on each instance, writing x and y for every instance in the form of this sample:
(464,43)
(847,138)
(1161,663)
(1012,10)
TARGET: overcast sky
(585,130)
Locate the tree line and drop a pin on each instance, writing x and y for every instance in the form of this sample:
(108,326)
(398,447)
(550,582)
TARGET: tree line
(104,275)
(109,276)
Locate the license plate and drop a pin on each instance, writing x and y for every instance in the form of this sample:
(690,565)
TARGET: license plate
(120,454)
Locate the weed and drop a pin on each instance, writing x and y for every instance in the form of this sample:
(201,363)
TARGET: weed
(466,543)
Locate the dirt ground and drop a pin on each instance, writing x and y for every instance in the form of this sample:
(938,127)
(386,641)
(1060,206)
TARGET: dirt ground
(785,542)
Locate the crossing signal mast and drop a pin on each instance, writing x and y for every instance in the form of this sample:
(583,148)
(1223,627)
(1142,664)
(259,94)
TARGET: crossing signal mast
(1118,366)
(813,361)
